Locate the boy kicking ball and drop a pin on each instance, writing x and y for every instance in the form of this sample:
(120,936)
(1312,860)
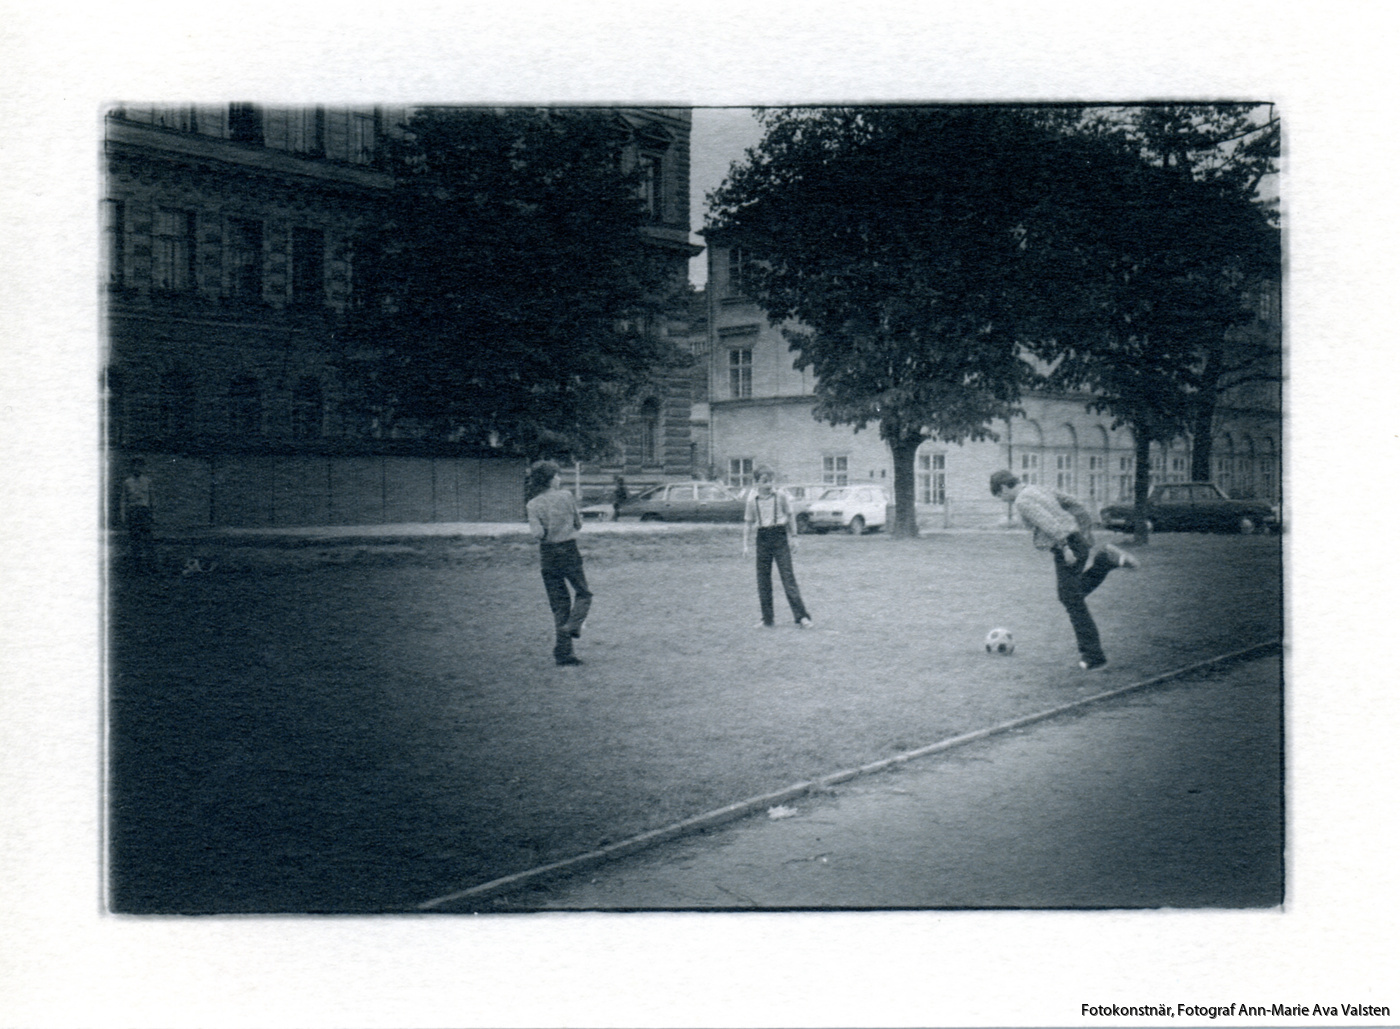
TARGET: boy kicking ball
(1061,525)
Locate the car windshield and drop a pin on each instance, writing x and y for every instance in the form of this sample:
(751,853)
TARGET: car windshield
(836,494)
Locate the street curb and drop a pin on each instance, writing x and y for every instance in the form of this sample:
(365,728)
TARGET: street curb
(733,812)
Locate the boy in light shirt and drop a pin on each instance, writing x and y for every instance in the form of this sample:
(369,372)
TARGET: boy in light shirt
(1060,524)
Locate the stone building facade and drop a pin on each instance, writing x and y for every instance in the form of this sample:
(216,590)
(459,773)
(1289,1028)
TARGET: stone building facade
(228,266)
(761,414)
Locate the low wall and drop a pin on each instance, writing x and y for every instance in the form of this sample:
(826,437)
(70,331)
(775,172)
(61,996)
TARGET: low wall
(257,491)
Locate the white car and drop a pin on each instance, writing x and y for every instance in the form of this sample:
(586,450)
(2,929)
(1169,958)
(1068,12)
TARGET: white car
(853,508)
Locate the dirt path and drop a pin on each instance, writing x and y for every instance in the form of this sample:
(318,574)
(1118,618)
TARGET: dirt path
(1167,798)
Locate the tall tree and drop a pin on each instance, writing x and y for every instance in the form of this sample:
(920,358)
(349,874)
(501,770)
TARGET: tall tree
(886,240)
(1231,149)
(1146,262)
(508,296)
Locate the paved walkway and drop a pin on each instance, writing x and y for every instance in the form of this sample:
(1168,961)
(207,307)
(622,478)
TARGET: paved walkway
(1171,797)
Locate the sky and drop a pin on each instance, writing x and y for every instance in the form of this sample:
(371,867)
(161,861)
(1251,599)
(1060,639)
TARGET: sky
(718,136)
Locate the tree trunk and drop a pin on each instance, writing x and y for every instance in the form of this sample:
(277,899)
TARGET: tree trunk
(1142,484)
(906,518)
(1202,426)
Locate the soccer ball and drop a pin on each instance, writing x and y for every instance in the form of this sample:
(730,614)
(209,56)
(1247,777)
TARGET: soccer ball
(999,641)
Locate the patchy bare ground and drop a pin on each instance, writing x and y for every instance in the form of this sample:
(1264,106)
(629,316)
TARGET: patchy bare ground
(360,727)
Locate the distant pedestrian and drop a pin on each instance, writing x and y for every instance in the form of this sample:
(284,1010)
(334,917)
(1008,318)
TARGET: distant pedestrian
(770,512)
(1061,524)
(619,497)
(137,513)
(555,522)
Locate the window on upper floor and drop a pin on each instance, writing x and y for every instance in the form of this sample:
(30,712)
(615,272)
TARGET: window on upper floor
(173,249)
(245,406)
(181,117)
(740,373)
(308,265)
(363,137)
(307,409)
(245,257)
(245,123)
(114,235)
(649,186)
(735,282)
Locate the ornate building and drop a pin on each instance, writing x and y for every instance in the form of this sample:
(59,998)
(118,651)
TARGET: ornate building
(228,267)
(761,414)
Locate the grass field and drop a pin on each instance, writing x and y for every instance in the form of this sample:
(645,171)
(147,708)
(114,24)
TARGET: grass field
(358,729)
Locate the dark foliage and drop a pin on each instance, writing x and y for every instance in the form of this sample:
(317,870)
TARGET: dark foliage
(509,298)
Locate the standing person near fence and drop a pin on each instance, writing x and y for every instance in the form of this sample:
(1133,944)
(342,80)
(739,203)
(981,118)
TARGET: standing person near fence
(1060,524)
(137,512)
(555,522)
(770,511)
(619,496)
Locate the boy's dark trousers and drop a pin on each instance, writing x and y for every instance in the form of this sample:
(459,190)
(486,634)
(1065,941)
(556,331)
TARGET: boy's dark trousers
(773,546)
(1074,582)
(561,566)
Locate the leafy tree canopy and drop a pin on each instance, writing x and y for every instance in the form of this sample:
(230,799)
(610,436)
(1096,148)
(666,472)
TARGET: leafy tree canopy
(509,295)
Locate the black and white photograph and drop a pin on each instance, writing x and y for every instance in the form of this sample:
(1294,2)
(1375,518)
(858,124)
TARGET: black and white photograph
(647,515)
(995,389)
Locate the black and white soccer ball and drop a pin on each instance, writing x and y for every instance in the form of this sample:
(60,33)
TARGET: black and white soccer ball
(999,641)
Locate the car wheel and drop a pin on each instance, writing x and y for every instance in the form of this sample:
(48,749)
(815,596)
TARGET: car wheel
(651,516)
(1245,525)
(856,526)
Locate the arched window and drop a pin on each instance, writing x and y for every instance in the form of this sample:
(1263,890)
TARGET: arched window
(651,431)
(1026,452)
(1095,459)
(1065,458)
(306,408)
(245,406)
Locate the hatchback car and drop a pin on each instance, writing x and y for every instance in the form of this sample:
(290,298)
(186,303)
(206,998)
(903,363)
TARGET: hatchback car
(802,494)
(686,502)
(1192,507)
(853,508)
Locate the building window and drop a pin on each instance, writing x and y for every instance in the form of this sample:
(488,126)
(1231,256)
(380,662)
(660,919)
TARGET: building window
(649,184)
(930,479)
(245,406)
(114,232)
(306,409)
(1064,472)
(1125,477)
(176,402)
(741,472)
(181,117)
(245,242)
(173,249)
(740,373)
(308,265)
(245,123)
(1098,478)
(1176,468)
(651,431)
(362,137)
(834,469)
(736,270)
(1029,472)
(309,131)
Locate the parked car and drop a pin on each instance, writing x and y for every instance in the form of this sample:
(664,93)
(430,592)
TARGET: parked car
(802,494)
(853,508)
(686,502)
(1193,507)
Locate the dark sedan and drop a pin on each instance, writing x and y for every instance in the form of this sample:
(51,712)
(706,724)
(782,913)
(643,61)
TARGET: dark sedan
(1192,507)
(686,502)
